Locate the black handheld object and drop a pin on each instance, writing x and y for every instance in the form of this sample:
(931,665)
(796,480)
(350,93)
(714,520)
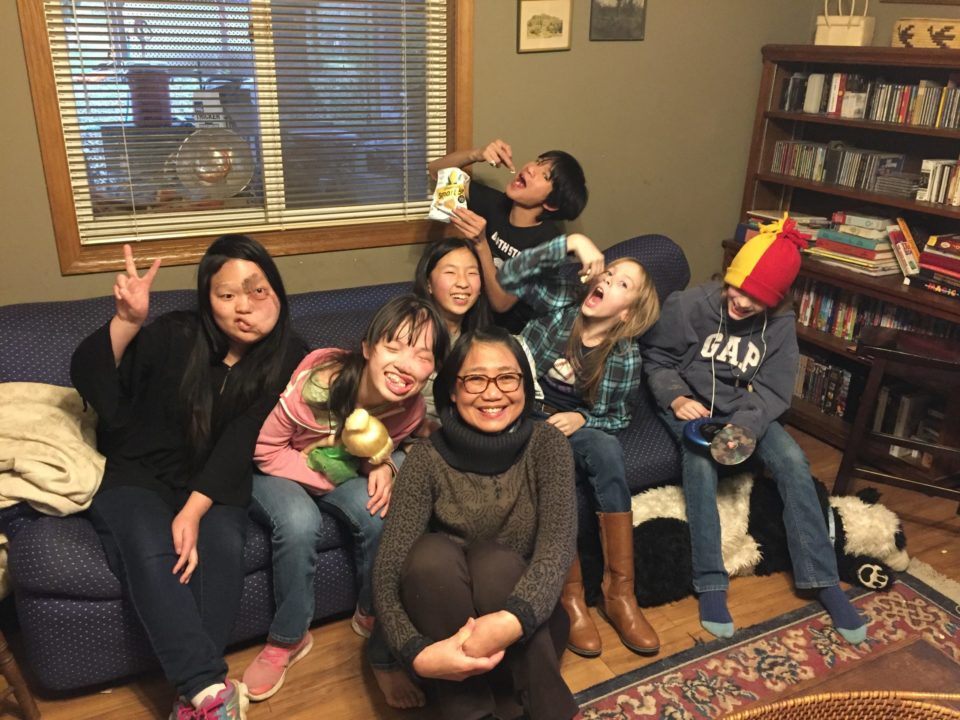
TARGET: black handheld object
(729,444)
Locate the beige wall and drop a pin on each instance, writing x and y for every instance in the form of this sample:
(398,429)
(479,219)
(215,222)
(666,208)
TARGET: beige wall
(662,127)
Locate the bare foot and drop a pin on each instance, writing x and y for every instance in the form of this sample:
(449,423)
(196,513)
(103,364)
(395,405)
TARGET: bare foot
(399,690)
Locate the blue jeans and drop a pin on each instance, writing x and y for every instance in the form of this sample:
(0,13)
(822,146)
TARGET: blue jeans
(296,526)
(811,553)
(187,625)
(598,457)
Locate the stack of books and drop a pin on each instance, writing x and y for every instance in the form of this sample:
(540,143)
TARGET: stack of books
(940,266)
(860,243)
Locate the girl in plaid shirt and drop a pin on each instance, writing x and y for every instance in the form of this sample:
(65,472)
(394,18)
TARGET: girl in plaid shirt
(588,362)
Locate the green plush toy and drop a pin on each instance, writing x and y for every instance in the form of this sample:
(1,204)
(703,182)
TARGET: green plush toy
(334,462)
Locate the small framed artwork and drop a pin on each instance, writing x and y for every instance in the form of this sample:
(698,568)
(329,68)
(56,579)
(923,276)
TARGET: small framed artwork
(543,25)
(617,19)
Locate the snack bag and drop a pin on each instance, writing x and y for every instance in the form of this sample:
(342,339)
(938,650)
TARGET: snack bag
(450,193)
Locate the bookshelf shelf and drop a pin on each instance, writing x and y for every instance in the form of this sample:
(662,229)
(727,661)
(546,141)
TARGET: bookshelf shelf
(938,209)
(768,190)
(818,119)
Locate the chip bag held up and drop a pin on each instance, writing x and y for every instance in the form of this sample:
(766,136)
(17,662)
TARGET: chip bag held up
(450,193)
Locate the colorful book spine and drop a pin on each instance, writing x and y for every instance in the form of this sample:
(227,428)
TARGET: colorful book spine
(870,222)
(901,251)
(854,250)
(846,239)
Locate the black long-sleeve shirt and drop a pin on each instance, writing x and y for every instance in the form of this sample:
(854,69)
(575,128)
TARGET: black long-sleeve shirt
(140,429)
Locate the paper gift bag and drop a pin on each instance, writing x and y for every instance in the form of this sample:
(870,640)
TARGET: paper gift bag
(838,28)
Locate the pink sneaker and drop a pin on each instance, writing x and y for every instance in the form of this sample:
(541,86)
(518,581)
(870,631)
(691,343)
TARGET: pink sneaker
(362,623)
(265,674)
(182,710)
(231,703)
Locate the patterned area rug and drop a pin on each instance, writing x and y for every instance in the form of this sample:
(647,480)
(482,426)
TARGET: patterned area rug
(913,643)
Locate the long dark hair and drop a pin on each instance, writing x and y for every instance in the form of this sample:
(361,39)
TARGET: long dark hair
(408,309)
(447,377)
(477,316)
(261,366)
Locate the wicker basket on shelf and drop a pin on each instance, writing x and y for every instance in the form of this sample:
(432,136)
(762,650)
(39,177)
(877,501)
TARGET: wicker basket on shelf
(866,705)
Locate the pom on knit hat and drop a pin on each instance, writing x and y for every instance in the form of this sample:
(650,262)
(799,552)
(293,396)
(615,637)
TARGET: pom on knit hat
(768,263)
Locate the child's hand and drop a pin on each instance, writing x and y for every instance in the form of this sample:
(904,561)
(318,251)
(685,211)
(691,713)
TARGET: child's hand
(132,292)
(688,409)
(185,529)
(379,488)
(473,226)
(498,153)
(588,254)
(567,422)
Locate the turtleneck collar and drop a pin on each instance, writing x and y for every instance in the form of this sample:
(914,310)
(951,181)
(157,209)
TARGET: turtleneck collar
(467,449)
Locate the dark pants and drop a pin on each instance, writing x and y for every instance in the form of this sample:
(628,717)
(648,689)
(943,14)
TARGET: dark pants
(442,585)
(187,625)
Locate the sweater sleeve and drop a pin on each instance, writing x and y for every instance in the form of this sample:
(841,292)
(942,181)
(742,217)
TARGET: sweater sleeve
(411,507)
(275,455)
(552,291)
(536,593)
(109,388)
(227,474)
(664,347)
(772,385)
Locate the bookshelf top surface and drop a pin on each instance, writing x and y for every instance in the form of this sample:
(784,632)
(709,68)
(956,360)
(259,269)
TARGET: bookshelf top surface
(901,57)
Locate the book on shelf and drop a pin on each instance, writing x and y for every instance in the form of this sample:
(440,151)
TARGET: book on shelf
(854,239)
(814,94)
(882,251)
(935,286)
(902,252)
(797,217)
(908,236)
(831,388)
(869,222)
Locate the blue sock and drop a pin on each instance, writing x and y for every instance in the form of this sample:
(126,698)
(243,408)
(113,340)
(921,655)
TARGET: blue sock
(714,615)
(848,622)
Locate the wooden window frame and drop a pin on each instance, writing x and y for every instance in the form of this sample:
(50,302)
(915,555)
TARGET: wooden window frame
(76,259)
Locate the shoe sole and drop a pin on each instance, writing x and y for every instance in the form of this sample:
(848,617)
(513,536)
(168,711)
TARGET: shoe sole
(294,659)
(583,653)
(635,648)
(359,629)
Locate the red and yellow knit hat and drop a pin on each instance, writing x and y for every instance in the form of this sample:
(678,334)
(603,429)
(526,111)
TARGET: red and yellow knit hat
(768,263)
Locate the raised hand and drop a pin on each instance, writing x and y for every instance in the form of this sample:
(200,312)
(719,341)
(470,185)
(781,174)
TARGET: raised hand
(473,226)
(590,257)
(132,292)
(498,153)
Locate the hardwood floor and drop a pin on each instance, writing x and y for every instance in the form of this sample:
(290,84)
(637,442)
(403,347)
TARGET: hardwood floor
(335,682)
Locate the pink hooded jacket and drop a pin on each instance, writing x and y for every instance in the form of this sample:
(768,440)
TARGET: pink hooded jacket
(291,427)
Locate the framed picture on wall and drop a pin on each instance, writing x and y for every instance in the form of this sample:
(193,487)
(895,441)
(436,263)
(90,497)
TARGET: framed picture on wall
(543,25)
(617,19)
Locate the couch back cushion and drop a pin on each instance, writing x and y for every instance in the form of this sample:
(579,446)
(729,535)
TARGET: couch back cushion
(37,339)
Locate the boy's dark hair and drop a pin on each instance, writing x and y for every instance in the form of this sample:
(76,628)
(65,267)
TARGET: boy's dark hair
(569,195)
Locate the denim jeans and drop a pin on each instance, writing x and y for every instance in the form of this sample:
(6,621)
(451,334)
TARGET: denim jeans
(187,625)
(296,526)
(811,553)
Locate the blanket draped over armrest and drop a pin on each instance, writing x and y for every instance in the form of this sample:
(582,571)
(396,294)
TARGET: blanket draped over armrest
(48,455)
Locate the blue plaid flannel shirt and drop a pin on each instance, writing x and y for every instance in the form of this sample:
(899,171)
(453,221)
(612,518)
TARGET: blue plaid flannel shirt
(547,336)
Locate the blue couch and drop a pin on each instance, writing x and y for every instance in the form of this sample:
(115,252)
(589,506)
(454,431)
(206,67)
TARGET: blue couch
(77,629)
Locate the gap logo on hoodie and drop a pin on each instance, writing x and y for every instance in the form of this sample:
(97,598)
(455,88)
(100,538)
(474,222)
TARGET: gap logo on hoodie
(733,350)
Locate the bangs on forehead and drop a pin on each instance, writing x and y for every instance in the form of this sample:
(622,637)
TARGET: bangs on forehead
(407,327)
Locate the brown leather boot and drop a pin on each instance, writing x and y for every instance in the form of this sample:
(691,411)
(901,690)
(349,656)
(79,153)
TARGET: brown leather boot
(619,604)
(584,639)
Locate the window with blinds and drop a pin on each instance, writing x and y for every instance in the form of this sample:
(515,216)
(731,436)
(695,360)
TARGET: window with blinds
(185,118)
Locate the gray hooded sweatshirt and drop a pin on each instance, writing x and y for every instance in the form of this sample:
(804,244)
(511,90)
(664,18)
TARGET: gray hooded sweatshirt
(753,361)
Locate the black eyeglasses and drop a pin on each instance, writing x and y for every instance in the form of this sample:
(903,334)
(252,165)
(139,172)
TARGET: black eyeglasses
(505,382)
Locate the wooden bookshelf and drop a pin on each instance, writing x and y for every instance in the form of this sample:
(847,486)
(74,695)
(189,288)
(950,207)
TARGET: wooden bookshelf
(767,190)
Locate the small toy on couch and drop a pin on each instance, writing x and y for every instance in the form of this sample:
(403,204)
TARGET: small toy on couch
(867,538)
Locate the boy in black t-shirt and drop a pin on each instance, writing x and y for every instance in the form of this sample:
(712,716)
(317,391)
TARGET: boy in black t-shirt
(503,224)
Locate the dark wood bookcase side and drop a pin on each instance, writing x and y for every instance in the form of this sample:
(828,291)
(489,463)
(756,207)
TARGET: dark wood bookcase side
(766,190)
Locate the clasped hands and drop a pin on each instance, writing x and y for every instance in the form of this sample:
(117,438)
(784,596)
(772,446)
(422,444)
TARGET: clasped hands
(474,649)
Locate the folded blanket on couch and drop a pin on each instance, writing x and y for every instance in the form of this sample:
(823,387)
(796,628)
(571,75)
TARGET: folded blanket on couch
(48,455)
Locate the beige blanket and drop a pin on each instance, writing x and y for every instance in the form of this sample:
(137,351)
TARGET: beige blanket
(48,455)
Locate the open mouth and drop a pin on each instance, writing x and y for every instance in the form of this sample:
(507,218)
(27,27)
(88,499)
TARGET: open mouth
(398,384)
(595,297)
(519,181)
(461,298)
(493,412)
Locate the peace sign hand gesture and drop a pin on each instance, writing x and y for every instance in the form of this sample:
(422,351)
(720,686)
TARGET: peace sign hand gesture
(132,291)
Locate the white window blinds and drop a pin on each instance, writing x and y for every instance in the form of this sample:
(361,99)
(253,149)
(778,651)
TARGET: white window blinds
(192,117)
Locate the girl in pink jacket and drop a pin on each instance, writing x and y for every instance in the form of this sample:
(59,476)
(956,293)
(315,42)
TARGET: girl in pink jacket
(303,466)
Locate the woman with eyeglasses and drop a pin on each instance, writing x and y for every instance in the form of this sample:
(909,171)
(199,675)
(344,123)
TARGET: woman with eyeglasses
(481,533)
